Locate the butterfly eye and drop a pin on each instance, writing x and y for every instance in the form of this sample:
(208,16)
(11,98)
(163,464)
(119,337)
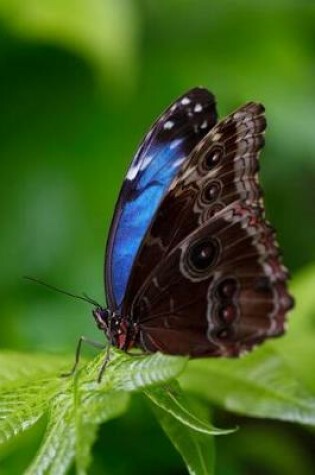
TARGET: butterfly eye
(211,192)
(212,158)
(203,254)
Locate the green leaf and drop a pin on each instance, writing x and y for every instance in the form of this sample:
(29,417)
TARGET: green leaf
(76,406)
(171,399)
(191,433)
(72,429)
(57,450)
(131,373)
(297,346)
(18,366)
(27,384)
(141,372)
(260,385)
(196,448)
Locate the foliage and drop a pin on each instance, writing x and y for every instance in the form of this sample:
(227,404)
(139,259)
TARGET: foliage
(77,406)
(262,384)
(81,82)
(104,33)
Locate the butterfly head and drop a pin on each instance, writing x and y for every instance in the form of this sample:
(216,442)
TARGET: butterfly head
(119,330)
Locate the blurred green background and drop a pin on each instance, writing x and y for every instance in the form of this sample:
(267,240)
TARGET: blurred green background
(81,81)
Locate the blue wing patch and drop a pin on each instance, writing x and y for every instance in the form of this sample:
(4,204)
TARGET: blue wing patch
(164,149)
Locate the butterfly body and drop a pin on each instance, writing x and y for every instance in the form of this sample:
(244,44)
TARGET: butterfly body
(192,266)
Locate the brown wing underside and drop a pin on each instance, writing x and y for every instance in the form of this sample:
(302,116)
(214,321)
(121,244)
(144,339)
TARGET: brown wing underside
(208,279)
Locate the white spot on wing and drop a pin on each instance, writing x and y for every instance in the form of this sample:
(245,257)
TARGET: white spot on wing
(133,171)
(204,125)
(198,107)
(175,143)
(168,124)
(217,136)
(138,166)
(178,162)
(148,136)
(146,161)
(185,101)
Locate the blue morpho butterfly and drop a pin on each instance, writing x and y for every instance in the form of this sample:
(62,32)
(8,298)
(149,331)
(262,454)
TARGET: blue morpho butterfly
(192,267)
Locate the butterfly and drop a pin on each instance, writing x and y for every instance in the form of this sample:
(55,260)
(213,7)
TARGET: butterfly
(192,266)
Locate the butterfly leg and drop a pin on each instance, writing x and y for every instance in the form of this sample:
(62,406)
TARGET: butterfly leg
(104,364)
(89,342)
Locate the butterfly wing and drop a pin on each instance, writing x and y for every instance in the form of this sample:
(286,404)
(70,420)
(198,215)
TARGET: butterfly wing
(208,279)
(166,146)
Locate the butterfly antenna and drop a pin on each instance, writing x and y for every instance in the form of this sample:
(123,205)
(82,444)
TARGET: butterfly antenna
(90,300)
(83,297)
